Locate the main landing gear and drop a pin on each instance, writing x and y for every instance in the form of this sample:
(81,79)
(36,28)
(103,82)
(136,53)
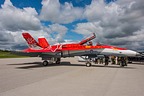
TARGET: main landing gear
(45,63)
(50,61)
(58,61)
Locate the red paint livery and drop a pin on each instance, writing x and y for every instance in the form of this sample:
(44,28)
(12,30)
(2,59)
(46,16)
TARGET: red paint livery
(43,49)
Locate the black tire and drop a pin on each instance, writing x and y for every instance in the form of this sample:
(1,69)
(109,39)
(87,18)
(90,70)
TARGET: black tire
(88,64)
(45,63)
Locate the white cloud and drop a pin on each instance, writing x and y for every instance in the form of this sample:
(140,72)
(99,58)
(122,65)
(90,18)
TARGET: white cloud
(15,19)
(55,12)
(60,32)
(117,23)
(5,37)
(88,28)
(53,33)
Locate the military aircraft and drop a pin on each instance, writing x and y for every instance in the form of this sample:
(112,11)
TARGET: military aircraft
(54,53)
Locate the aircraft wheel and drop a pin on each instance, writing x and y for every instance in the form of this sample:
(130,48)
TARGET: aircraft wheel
(45,63)
(88,64)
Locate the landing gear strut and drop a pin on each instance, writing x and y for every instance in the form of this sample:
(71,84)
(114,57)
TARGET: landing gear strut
(58,61)
(48,61)
(88,61)
(45,63)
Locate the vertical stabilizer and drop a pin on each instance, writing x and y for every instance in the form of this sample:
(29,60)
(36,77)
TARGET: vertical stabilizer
(31,41)
(43,42)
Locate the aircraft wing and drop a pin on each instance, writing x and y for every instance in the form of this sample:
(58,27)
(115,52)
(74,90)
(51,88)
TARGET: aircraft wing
(36,54)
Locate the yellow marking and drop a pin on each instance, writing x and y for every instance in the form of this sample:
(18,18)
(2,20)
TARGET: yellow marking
(87,46)
(115,49)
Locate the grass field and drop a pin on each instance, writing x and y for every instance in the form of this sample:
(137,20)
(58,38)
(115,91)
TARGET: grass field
(8,54)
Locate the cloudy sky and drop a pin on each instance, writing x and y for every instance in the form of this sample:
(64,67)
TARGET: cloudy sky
(115,22)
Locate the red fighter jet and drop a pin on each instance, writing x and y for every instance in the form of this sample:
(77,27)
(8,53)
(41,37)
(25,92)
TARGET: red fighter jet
(50,53)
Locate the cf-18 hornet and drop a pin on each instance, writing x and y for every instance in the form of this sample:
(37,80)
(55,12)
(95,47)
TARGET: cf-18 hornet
(55,52)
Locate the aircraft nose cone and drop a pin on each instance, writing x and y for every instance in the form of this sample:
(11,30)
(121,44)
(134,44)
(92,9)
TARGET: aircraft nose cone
(134,53)
(130,53)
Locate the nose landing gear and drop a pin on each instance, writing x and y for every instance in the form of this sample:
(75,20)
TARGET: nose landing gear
(45,63)
(88,64)
(88,61)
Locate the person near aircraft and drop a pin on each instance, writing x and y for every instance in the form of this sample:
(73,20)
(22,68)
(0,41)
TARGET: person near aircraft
(90,43)
(123,61)
(106,60)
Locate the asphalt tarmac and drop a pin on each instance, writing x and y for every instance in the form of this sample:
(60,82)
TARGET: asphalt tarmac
(27,77)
